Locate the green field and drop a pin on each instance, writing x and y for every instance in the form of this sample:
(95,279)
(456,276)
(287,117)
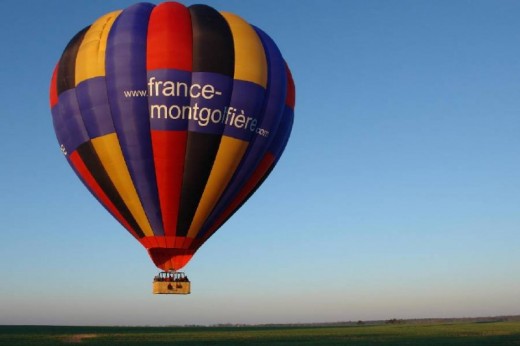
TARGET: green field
(423,334)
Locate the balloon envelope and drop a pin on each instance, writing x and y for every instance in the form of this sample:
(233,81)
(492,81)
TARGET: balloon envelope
(172,117)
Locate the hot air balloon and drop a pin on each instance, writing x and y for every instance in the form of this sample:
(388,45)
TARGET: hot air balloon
(172,117)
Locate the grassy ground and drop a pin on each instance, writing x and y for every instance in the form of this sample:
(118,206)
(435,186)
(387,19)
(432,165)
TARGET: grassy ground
(456,334)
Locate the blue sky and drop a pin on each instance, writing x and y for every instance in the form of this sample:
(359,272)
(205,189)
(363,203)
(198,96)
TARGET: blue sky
(398,195)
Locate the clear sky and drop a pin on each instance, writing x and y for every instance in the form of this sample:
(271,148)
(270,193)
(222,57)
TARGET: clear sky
(398,195)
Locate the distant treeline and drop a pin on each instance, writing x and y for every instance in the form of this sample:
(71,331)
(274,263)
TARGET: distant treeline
(488,319)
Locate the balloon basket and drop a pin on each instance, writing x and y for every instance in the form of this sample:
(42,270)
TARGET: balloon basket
(171,282)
